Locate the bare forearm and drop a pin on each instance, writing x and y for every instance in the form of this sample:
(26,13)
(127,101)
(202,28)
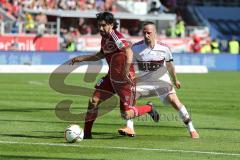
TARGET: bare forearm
(95,57)
(172,72)
(87,58)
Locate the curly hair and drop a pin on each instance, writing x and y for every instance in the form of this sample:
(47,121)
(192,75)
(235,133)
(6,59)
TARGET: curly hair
(108,18)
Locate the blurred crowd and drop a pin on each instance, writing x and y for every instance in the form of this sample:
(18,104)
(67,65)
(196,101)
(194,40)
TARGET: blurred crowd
(72,28)
(14,7)
(36,23)
(215,46)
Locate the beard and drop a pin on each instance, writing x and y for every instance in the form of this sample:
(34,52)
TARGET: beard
(103,34)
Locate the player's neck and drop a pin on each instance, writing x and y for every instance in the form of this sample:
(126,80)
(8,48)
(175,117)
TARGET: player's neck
(150,44)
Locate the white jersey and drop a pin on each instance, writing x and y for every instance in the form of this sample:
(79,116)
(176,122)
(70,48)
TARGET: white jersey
(151,62)
(153,78)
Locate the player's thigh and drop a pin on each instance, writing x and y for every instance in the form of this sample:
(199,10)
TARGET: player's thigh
(103,90)
(160,89)
(166,94)
(126,93)
(145,91)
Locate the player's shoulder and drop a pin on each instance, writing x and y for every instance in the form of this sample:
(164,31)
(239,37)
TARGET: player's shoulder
(138,43)
(163,45)
(116,34)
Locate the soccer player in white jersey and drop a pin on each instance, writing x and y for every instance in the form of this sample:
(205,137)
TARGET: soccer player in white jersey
(155,64)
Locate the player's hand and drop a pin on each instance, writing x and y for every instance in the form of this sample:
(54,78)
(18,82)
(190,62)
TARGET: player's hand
(74,60)
(177,84)
(136,79)
(128,78)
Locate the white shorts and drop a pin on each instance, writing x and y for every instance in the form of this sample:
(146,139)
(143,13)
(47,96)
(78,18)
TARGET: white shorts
(161,89)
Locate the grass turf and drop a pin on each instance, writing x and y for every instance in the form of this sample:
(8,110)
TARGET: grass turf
(30,129)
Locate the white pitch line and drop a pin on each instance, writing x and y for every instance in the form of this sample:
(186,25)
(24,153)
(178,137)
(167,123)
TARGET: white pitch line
(122,148)
(38,83)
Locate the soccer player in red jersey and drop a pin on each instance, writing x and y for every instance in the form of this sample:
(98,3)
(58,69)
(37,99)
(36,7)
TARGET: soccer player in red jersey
(119,79)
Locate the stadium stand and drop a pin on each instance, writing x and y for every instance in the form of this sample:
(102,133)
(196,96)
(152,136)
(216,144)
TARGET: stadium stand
(222,21)
(73,20)
(62,27)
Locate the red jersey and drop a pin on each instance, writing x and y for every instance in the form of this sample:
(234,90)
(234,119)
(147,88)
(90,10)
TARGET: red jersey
(112,47)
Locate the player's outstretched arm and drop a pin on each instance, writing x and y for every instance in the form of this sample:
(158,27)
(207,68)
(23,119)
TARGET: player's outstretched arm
(171,70)
(96,57)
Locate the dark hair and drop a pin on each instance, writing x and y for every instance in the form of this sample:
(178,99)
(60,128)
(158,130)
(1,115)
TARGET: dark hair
(148,23)
(108,17)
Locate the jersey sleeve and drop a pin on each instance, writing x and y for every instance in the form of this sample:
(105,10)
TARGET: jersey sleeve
(169,56)
(134,56)
(119,40)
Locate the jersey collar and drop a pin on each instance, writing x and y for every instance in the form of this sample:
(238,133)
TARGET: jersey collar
(146,46)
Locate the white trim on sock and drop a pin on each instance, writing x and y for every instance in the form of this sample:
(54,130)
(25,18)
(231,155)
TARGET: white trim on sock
(183,112)
(191,127)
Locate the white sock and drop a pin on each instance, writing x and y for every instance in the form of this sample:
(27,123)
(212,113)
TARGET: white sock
(184,114)
(130,124)
(191,127)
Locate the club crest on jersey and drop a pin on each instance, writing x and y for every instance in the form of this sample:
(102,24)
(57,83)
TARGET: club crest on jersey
(109,47)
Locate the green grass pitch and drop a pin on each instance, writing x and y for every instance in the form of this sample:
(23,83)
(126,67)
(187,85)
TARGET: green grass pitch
(30,129)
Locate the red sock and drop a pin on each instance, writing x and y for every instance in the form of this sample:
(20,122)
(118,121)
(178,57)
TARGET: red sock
(89,119)
(140,110)
(88,128)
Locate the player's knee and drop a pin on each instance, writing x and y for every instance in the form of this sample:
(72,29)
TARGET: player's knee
(127,115)
(93,102)
(171,98)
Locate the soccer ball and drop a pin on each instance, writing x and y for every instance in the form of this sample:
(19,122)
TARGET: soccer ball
(73,133)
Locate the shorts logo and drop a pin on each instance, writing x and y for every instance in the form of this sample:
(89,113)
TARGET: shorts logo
(99,82)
